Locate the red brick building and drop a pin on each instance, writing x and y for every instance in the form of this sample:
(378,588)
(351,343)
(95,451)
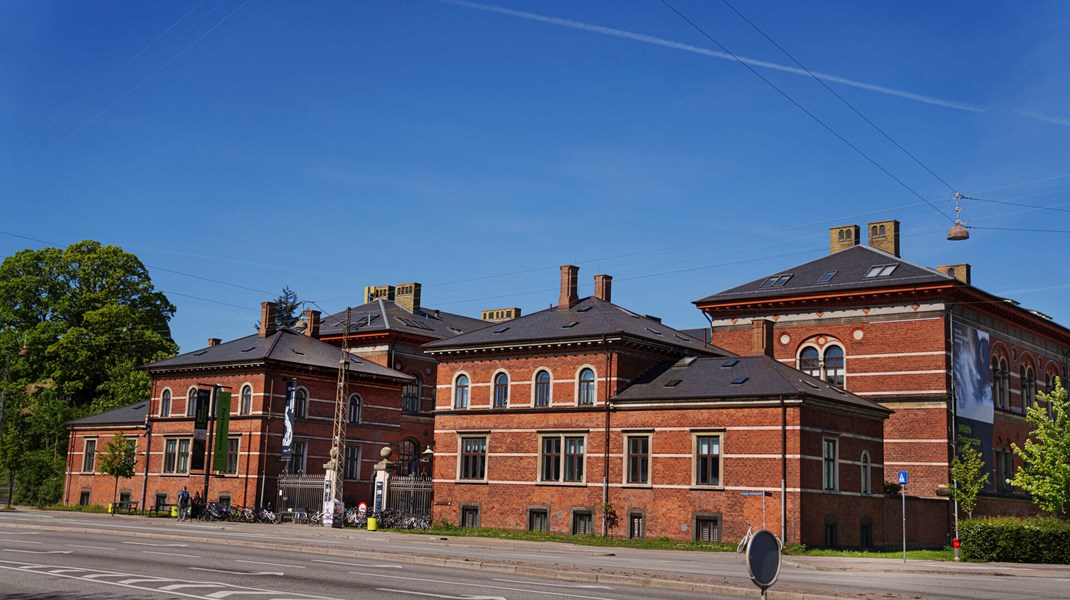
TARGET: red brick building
(589,418)
(943,354)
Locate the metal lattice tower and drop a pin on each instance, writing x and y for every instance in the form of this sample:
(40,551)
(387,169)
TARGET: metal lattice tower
(336,466)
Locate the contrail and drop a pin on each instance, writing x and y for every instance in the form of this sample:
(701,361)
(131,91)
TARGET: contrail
(656,41)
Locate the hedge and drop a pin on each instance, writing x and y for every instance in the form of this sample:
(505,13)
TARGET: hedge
(1012,539)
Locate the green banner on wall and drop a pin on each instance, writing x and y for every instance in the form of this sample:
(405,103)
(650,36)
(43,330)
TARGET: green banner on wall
(222,431)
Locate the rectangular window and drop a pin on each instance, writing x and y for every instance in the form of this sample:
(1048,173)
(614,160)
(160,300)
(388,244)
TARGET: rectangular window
(224,500)
(865,534)
(828,459)
(124,497)
(352,462)
(636,525)
(708,460)
(474,458)
(469,516)
(538,519)
(562,458)
(161,500)
(708,529)
(551,459)
(176,455)
(638,461)
(574,459)
(582,523)
(296,466)
(83,498)
(89,456)
(232,456)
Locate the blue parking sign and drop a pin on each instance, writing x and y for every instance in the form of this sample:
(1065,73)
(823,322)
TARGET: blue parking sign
(902,478)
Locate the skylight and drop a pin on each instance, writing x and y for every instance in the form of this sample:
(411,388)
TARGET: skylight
(673,382)
(827,277)
(502,329)
(730,363)
(585,308)
(740,380)
(881,270)
(204,352)
(776,281)
(654,331)
(683,337)
(570,325)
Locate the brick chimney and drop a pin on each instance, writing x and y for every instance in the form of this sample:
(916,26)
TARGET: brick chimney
(267,319)
(312,324)
(569,296)
(960,272)
(884,235)
(603,287)
(407,296)
(213,342)
(762,337)
(374,292)
(843,237)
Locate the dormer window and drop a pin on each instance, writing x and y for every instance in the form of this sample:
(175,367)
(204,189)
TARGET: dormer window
(881,270)
(776,281)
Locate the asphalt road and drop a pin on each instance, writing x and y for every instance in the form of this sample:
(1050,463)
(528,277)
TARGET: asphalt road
(133,557)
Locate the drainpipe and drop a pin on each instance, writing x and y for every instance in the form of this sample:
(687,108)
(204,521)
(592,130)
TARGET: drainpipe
(148,457)
(783,471)
(954,423)
(266,421)
(605,455)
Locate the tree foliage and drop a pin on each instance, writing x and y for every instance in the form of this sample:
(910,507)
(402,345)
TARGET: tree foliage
(1046,473)
(287,308)
(117,460)
(968,475)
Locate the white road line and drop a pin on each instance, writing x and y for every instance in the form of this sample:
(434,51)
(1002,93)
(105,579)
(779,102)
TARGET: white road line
(155,545)
(564,585)
(442,595)
(226,593)
(477,585)
(178,586)
(90,547)
(233,572)
(37,551)
(170,554)
(21,541)
(335,562)
(101,582)
(253,562)
(143,580)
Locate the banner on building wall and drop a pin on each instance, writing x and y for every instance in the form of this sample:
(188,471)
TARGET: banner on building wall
(288,422)
(200,429)
(222,431)
(974,407)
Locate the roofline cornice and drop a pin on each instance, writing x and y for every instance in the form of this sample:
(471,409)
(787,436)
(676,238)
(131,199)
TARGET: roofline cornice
(565,344)
(883,294)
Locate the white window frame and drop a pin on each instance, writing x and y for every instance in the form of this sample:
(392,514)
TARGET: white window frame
(562,458)
(191,399)
(535,388)
(181,457)
(166,392)
(89,461)
(468,390)
(695,456)
(460,456)
(649,459)
(243,408)
(494,388)
(236,440)
(594,386)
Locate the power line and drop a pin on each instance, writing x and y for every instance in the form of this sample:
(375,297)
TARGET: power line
(805,110)
(839,97)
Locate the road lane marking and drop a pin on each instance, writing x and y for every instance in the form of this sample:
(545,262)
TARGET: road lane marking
(336,562)
(90,547)
(253,562)
(179,586)
(144,580)
(442,595)
(233,572)
(21,541)
(568,585)
(225,593)
(170,554)
(477,585)
(37,551)
(155,545)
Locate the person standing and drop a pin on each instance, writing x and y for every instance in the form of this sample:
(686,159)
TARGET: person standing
(183,504)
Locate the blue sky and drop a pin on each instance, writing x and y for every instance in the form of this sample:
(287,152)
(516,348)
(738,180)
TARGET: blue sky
(475,147)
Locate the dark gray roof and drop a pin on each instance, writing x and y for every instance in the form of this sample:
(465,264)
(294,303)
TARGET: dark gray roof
(850,267)
(588,318)
(284,346)
(386,315)
(132,414)
(757,377)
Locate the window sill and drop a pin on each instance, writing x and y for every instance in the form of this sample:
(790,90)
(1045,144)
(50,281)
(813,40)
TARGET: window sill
(707,488)
(174,474)
(637,486)
(571,484)
(470,481)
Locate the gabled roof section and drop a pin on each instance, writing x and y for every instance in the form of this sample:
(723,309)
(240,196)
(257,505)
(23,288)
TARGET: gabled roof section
(284,346)
(382,316)
(589,318)
(752,377)
(845,270)
(131,414)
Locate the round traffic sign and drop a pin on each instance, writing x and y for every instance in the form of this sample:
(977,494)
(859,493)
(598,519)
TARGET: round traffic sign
(763,559)
(362,508)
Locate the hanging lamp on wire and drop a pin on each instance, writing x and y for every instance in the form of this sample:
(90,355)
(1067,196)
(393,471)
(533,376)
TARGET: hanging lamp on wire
(958,231)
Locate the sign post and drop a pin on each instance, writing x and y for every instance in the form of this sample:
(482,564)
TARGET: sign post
(903,492)
(763,495)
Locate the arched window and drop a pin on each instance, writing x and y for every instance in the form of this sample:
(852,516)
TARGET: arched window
(865,489)
(834,365)
(585,392)
(191,402)
(810,361)
(410,397)
(354,409)
(1000,375)
(246,405)
(1029,387)
(408,457)
(301,403)
(839,235)
(460,392)
(501,390)
(165,403)
(873,231)
(542,388)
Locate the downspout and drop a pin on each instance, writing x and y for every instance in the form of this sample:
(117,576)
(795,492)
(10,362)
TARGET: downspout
(783,471)
(70,457)
(605,451)
(954,421)
(263,460)
(148,458)
(710,319)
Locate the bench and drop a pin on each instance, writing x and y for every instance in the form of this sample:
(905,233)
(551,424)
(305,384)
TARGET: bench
(162,508)
(130,506)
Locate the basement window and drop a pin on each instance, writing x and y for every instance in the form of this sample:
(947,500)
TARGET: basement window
(776,281)
(881,270)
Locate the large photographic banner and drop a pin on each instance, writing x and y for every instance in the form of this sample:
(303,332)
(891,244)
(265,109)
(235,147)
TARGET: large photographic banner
(974,407)
(200,429)
(288,422)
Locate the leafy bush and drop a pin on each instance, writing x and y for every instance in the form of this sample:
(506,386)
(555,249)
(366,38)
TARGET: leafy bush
(1011,539)
(40,479)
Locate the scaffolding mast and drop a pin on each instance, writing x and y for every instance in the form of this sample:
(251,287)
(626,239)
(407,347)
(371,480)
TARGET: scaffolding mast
(336,466)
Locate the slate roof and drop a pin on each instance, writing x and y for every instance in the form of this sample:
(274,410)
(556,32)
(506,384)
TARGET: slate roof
(756,376)
(850,267)
(132,414)
(386,315)
(588,318)
(284,346)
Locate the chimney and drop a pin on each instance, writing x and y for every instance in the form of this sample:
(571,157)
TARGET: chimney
(213,342)
(762,337)
(960,272)
(569,296)
(603,287)
(500,315)
(312,324)
(267,319)
(842,238)
(884,235)
(374,292)
(407,295)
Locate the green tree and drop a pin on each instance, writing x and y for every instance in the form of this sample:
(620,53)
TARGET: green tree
(117,460)
(968,475)
(1046,473)
(287,308)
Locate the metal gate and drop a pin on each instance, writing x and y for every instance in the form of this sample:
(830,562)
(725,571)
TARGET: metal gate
(300,491)
(410,495)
